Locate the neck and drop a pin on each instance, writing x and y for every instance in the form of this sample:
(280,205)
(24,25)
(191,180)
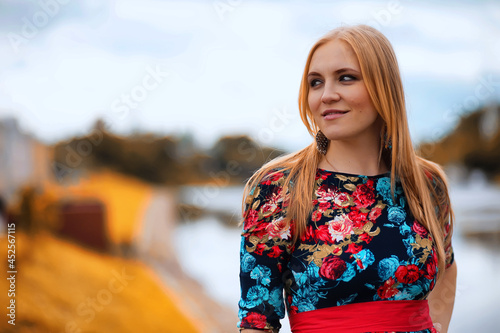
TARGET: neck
(355,157)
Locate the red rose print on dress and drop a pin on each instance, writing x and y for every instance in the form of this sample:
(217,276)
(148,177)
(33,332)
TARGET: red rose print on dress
(375,214)
(341,199)
(254,320)
(407,274)
(430,271)
(260,230)
(308,234)
(323,234)
(326,193)
(340,227)
(278,228)
(364,196)
(272,178)
(365,237)
(272,205)
(387,290)
(419,229)
(358,219)
(323,175)
(294,309)
(251,219)
(316,216)
(275,252)
(259,249)
(354,248)
(324,206)
(332,268)
(431,268)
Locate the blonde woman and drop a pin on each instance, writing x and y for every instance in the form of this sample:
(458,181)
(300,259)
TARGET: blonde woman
(353,232)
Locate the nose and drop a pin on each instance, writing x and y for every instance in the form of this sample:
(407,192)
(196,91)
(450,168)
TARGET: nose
(330,94)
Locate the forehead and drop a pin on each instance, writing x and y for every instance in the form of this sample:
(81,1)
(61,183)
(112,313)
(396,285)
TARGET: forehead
(333,55)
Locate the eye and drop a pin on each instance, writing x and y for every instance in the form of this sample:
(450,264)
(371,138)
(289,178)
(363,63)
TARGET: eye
(314,82)
(347,78)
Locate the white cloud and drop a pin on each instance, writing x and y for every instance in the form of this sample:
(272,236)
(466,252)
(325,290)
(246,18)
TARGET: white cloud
(439,64)
(229,71)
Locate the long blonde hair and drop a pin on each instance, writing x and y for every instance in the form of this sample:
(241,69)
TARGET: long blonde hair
(424,182)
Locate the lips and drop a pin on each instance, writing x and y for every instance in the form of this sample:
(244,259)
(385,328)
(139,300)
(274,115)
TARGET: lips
(333,114)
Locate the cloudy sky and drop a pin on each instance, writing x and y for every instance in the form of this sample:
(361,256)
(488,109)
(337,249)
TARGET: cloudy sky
(220,67)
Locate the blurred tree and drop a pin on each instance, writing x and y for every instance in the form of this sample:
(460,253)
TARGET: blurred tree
(240,156)
(469,145)
(164,160)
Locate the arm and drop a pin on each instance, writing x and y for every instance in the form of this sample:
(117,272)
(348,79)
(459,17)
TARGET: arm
(442,298)
(265,247)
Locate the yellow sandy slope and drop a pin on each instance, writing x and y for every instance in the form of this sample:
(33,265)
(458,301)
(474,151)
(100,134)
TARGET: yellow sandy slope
(125,199)
(61,287)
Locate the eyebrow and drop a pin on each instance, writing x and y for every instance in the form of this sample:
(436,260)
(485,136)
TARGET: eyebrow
(338,71)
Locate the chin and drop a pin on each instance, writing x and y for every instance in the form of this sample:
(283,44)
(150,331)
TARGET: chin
(331,135)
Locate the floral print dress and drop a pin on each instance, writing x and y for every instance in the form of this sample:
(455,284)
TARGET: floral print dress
(361,244)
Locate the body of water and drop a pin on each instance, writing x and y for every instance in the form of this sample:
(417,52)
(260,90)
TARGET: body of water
(212,256)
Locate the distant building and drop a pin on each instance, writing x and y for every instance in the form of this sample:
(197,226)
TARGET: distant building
(85,222)
(23,159)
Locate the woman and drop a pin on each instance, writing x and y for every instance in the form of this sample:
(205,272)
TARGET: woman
(355,228)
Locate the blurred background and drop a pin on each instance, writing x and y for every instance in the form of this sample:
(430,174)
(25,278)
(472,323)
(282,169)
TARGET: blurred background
(128,129)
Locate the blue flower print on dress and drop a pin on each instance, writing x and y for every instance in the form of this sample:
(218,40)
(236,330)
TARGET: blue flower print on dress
(396,215)
(387,267)
(307,297)
(242,246)
(405,230)
(255,296)
(349,273)
(247,262)
(409,241)
(309,283)
(347,300)
(262,274)
(408,292)
(241,313)
(309,277)
(364,258)
(384,188)
(305,304)
(276,300)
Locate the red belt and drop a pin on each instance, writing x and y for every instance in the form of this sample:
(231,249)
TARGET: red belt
(365,317)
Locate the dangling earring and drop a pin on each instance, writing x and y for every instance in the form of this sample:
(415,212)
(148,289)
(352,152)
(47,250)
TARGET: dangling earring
(387,142)
(321,142)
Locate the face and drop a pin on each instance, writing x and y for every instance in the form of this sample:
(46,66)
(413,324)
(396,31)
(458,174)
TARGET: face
(338,97)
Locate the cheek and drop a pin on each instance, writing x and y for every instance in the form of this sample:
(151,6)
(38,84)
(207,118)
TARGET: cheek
(313,100)
(362,102)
